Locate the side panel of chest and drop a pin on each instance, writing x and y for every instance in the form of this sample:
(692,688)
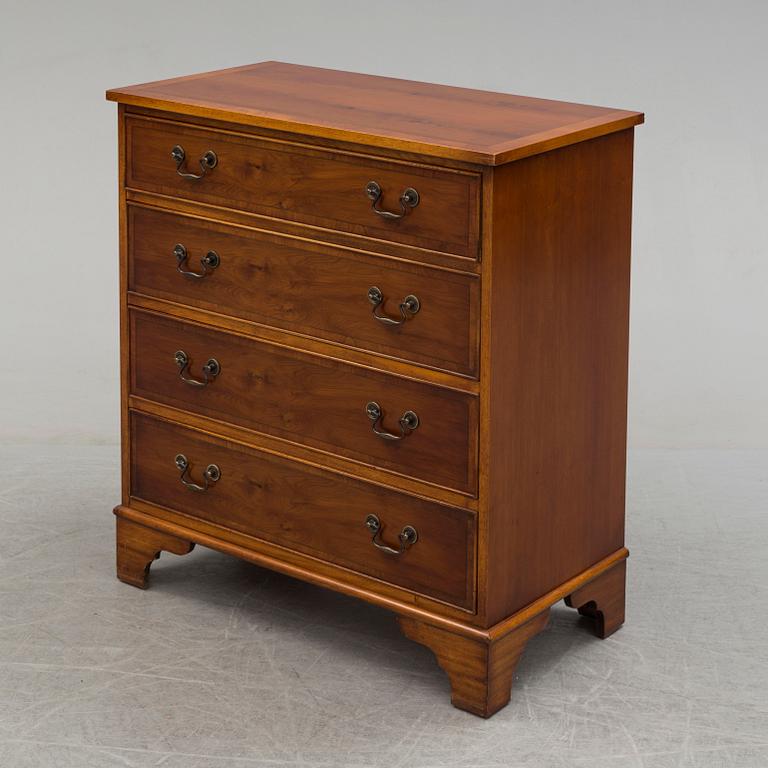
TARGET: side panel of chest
(554,394)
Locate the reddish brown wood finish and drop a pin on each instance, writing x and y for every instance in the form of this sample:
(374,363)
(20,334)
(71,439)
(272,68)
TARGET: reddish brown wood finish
(304,343)
(602,599)
(555,386)
(316,187)
(306,509)
(515,477)
(401,115)
(125,430)
(480,670)
(304,454)
(332,238)
(308,287)
(138,546)
(308,399)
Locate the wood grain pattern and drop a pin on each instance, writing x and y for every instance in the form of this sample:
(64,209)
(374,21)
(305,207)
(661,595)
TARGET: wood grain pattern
(304,343)
(480,671)
(602,599)
(312,186)
(319,235)
(516,364)
(457,123)
(295,564)
(313,141)
(353,583)
(306,509)
(553,439)
(303,454)
(308,399)
(308,287)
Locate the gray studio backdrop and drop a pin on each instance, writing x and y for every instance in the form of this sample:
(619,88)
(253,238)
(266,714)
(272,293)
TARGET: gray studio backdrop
(699,354)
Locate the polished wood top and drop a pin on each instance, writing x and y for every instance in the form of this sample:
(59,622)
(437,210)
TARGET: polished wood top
(435,120)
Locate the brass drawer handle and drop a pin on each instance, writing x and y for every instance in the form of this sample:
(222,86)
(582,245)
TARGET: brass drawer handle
(210,370)
(408,422)
(210,476)
(409,306)
(408,536)
(207,162)
(409,199)
(210,261)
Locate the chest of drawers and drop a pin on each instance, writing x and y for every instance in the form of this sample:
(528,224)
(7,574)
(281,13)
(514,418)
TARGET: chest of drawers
(374,336)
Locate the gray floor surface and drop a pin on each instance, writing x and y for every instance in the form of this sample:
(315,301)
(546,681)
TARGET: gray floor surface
(221,664)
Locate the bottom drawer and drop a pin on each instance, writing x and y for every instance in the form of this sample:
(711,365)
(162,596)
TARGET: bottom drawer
(309,510)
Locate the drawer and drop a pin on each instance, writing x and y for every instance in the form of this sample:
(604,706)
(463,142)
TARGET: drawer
(311,186)
(309,288)
(306,509)
(308,399)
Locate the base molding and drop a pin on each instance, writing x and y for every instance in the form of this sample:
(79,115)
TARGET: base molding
(602,599)
(480,672)
(479,661)
(139,545)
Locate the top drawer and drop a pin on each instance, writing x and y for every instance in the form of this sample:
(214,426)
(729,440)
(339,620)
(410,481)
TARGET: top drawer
(316,187)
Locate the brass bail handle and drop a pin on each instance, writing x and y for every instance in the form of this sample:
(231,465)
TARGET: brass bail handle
(409,306)
(210,476)
(208,161)
(409,198)
(407,537)
(211,370)
(408,422)
(210,261)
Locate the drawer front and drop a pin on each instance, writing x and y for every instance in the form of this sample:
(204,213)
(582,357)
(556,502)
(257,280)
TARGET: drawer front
(308,288)
(308,399)
(306,509)
(316,187)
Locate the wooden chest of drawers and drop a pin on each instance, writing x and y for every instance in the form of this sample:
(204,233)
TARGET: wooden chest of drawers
(374,336)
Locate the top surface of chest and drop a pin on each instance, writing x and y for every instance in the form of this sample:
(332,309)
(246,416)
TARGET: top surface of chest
(434,120)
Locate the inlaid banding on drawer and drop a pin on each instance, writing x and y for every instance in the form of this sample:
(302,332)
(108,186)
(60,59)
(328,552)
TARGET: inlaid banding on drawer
(332,190)
(307,509)
(308,399)
(307,287)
